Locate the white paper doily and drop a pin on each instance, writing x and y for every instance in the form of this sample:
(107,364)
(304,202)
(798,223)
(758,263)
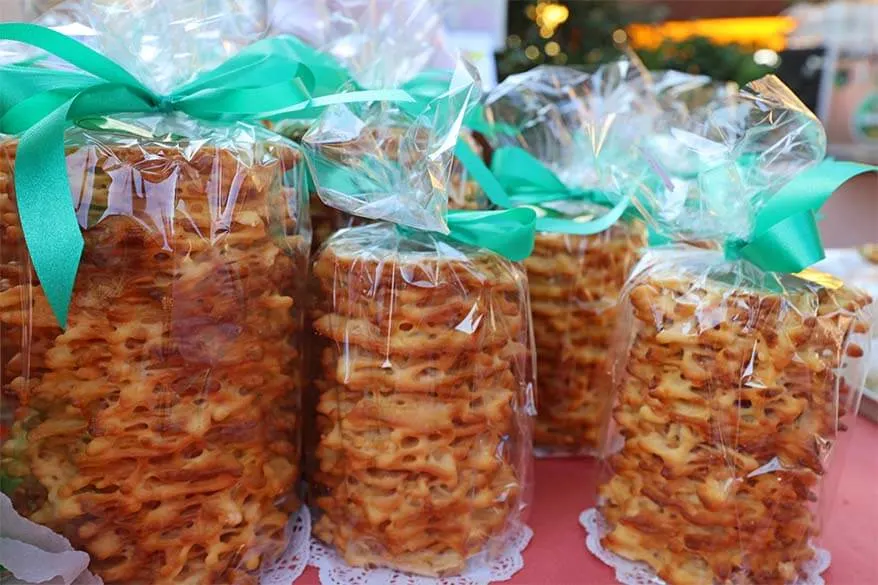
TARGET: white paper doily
(334,571)
(636,573)
(292,563)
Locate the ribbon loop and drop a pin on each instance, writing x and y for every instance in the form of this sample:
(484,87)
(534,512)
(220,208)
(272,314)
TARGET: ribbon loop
(269,78)
(786,237)
(509,232)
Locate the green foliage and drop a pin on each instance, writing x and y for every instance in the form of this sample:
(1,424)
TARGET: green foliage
(702,56)
(586,40)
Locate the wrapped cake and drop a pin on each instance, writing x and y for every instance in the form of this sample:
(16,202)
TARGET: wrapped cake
(561,140)
(155,396)
(424,374)
(736,371)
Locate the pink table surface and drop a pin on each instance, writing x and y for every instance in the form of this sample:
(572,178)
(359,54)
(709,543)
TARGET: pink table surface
(564,487)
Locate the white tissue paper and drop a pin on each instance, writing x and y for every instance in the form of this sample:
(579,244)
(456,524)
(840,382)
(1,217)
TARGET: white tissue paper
(35,554)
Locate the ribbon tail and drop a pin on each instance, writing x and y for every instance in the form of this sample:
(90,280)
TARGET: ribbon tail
(48,220)
(584,228)
(790,245)
(509,233)
(478,171)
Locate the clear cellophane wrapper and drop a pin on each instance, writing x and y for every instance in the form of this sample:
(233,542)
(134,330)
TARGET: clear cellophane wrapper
(463,192)
(383,44)
(423,398)
(581,126)
(160,430)
(424,369)
(732,386)
(730,402)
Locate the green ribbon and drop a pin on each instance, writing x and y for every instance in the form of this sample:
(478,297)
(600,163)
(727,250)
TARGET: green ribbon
(508,232)
(273,77)
(516,178)
(785,236)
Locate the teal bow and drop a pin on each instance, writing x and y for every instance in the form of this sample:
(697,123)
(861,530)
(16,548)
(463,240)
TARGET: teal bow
(270,78)
(516,179)
(785,236)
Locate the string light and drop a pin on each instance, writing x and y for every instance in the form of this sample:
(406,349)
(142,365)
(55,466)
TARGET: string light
(514,41)
(549,16)
(552,49)
(532,52)
(619,36)
(560,59)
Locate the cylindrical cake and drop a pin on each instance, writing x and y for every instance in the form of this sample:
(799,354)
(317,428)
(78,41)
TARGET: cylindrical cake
(575,282)
(159,432)
(729,401)
(424,393)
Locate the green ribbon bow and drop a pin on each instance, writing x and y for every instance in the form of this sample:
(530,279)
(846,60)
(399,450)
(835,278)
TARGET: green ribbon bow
(516,178)
(273,77)
(509,233)
(785,235)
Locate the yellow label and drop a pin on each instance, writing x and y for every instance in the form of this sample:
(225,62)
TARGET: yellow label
(821,278)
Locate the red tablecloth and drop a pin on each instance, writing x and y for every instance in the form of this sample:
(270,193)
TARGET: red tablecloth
(557,554)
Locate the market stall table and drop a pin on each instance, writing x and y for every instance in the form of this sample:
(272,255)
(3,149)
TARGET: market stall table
(557,554)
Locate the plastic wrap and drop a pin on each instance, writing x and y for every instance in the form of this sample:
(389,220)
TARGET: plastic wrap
(424,391)
(424,382)
(584,128)
(733,383)
(159,431)
(383,44)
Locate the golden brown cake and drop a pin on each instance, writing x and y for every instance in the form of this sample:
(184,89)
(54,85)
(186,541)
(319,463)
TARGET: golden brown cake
(728,402)
(575,282)
(424,386)
(160,431)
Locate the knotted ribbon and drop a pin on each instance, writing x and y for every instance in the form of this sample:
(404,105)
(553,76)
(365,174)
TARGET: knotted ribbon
(516,179)
(508,232)
(785,236)
(38,104)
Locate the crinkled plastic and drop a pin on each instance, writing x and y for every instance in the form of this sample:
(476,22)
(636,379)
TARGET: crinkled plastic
(730,403)
(389,161)
(159,432)
(164,44)
(383,43)
(584,127)
(733,386)
(717,153)
(425,385)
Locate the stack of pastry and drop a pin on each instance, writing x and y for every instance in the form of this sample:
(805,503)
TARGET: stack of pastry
(575,283)
(422,395)
(728,403)
(158,432)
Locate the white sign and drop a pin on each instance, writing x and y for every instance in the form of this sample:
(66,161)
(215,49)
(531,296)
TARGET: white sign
(478,16)
(478,49)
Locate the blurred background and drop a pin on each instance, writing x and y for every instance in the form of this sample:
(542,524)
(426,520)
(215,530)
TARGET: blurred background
(826,51)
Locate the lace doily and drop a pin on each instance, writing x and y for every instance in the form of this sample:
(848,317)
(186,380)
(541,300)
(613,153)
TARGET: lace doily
(334,571)
(636,573)
(292,563)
